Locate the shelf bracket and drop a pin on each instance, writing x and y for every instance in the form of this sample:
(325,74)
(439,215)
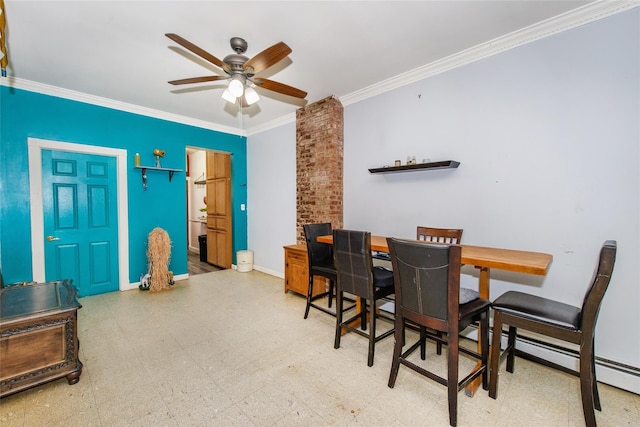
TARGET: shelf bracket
(144,169)
(144,178)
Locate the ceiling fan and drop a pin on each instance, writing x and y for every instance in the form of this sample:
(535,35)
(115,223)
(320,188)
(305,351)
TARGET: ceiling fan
(241,71)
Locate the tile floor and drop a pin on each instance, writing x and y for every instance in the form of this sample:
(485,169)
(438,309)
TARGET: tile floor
(231,349)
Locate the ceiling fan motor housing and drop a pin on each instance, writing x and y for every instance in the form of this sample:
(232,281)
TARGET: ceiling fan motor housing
(238,44)
(236,61)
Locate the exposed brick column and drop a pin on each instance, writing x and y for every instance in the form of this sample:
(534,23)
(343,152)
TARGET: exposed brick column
(319,160)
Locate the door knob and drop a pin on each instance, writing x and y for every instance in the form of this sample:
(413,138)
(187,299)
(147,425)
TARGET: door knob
(51,238)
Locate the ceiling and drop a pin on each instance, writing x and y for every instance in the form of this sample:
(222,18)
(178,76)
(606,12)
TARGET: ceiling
(117,50)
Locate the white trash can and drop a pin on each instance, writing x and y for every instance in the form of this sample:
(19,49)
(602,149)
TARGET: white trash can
(244,261)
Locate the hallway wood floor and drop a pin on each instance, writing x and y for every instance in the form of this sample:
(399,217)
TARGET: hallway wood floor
(195,266)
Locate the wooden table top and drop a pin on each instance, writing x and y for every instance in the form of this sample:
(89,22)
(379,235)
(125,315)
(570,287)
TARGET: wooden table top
(479,256)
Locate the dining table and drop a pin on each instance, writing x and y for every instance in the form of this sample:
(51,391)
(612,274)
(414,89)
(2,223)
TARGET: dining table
(484,259)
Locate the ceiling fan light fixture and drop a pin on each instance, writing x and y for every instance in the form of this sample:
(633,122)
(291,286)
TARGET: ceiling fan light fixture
(236,87)
(241,70)
(227,96)
(250,95)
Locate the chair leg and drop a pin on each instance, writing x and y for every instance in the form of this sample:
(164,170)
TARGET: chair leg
(452,376)
(484,351)
(439,344)
(336,343)
(404,338)
(331,286)
(398,335)
(372,333)
(511,348)
(309,294)
(596,395)
(423,342)
(495,354)
(363,314)
(586,384)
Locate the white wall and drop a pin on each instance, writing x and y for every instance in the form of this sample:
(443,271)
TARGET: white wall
(271,196)
(548,139)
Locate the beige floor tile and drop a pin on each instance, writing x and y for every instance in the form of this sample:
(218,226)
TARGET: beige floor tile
(12,410)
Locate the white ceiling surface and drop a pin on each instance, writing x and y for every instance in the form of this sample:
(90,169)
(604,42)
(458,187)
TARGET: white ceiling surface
(117,49)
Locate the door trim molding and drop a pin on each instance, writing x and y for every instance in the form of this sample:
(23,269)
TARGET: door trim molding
(35,147)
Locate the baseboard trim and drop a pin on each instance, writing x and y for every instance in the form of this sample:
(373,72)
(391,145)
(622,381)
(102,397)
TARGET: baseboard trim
(565,359)
(614,373)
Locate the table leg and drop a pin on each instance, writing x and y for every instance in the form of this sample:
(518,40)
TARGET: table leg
(483,289)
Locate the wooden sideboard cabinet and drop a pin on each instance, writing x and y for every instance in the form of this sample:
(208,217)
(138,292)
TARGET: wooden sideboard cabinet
(38,335)
(296,271)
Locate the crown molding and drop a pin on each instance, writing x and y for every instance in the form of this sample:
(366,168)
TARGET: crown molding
(280,121)
(44,89)
(578,17)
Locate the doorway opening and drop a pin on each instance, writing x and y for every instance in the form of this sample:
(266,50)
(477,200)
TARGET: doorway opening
(208,210)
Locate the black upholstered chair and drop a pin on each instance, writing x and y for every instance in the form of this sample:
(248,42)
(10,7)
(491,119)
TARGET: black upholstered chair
(557,320)
(428,293)
(358,277)
(320,257)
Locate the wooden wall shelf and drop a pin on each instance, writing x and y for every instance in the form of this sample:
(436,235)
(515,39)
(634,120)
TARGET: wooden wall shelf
(446,164)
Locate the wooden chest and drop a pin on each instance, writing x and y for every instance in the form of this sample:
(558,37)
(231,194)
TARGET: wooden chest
(38,335)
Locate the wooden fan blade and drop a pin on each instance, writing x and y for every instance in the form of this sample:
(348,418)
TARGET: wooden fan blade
(280,87)
(198,51)
(268,57)
(197,80)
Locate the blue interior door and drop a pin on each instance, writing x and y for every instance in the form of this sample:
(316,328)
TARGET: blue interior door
(80,220)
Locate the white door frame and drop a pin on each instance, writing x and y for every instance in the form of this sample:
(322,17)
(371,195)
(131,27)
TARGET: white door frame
(35,147)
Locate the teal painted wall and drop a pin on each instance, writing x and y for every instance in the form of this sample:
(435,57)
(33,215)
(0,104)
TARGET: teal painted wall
(26,114)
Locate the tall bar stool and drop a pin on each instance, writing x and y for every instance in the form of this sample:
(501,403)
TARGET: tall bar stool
(428,293)
(320,258)
(357,276)
(557,320)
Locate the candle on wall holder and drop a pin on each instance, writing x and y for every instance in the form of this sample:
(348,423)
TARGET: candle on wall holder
(136,160)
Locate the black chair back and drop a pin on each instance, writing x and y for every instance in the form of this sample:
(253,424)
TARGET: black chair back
(320,254)
(354,262)
(426,283)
